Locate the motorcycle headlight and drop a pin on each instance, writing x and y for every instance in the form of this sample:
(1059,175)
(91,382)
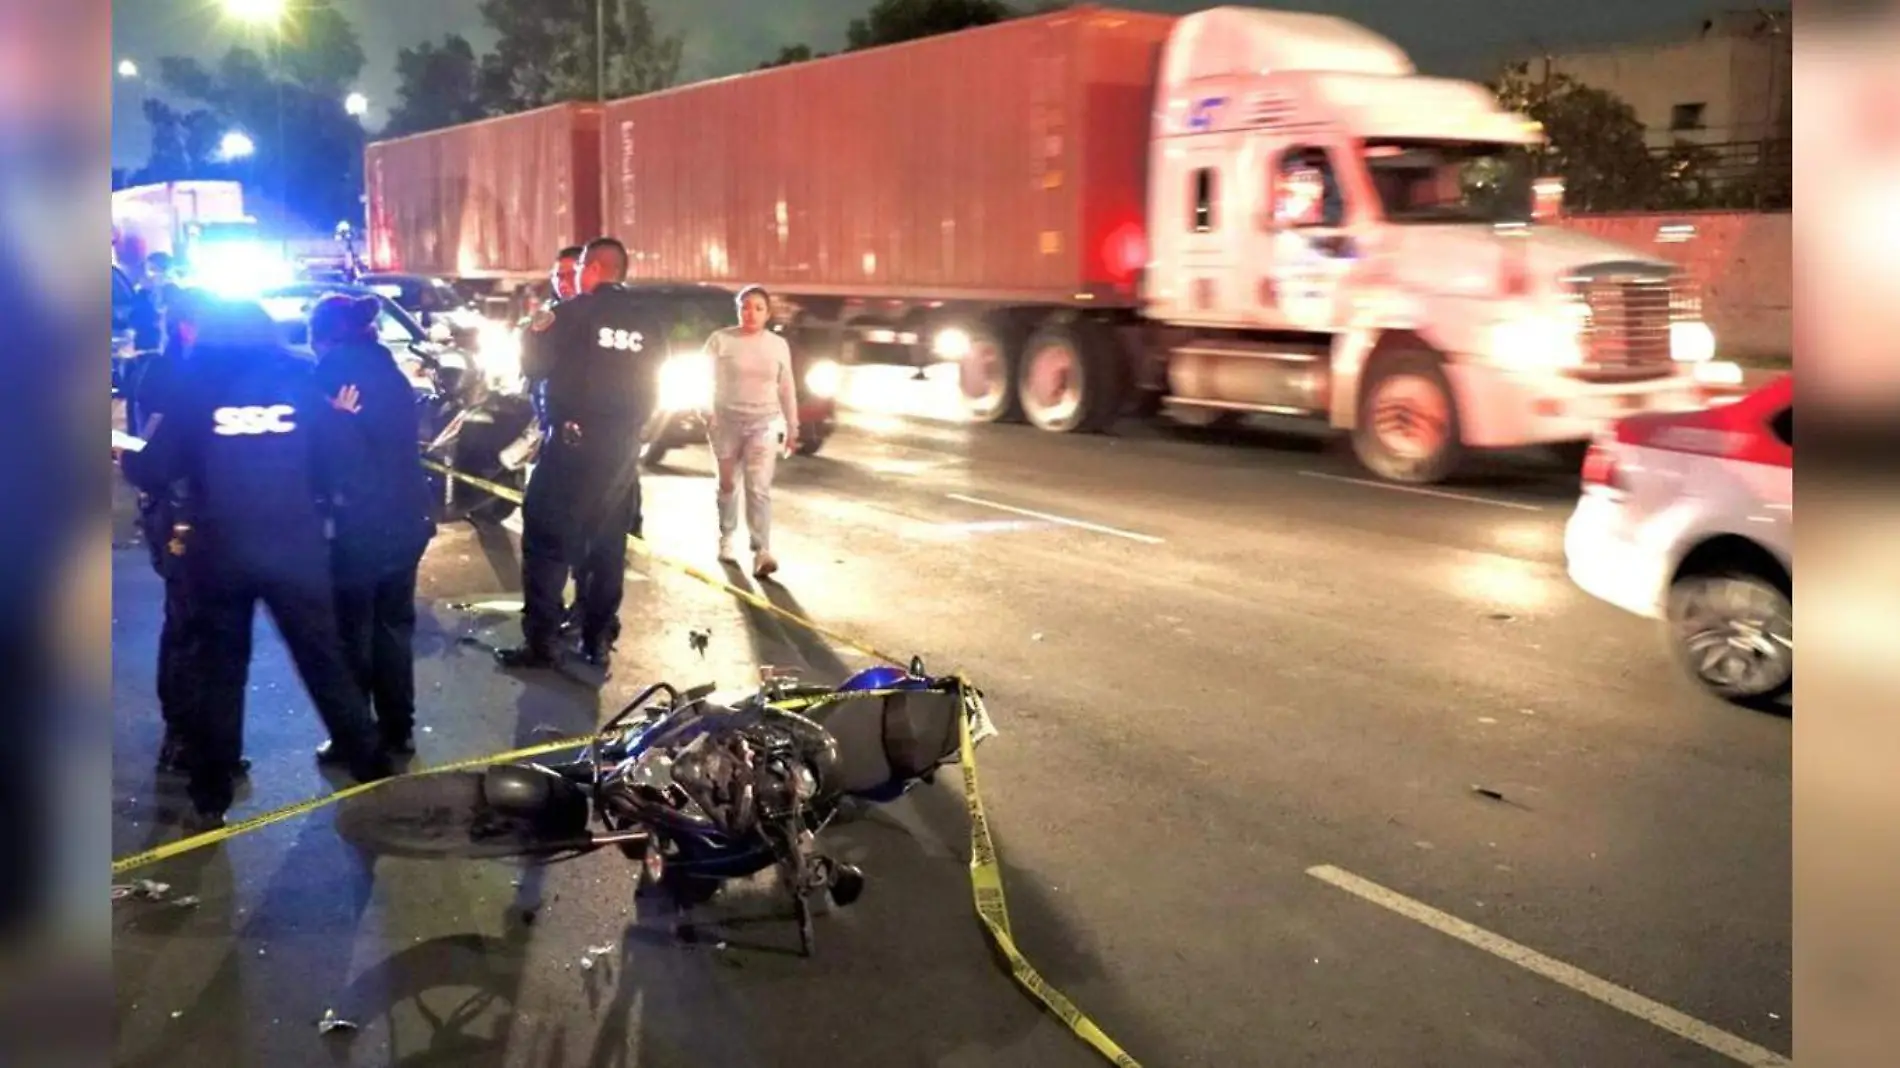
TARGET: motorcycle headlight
(823,378)
(686,383)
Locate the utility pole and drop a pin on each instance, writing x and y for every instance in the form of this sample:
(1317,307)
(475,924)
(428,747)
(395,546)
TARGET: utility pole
(600,51)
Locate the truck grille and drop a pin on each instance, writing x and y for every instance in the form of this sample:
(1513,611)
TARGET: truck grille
(1626,328)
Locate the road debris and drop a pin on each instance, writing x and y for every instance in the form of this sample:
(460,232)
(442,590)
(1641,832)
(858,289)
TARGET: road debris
(699,638)
(332,1023)
(594,953)
(144,889)
(1486,791)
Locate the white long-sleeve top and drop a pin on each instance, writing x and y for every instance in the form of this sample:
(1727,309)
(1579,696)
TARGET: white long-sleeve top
(752,377)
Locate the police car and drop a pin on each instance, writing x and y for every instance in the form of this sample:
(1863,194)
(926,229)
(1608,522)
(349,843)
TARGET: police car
(1688,518)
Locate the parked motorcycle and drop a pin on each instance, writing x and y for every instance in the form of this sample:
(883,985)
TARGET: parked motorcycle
(495,439)
(697,788)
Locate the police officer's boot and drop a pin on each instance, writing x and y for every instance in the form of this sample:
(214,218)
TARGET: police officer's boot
(598,650)
(528,656)
(393,745)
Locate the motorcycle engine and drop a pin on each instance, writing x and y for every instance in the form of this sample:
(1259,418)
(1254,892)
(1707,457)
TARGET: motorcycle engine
(731,779)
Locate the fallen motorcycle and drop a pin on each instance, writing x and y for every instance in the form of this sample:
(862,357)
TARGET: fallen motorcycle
(697,788)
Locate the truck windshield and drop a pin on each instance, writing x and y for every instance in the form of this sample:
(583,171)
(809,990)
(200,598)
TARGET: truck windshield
(1451,182)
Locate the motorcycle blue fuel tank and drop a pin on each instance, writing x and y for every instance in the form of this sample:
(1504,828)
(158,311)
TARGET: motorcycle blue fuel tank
(880,678)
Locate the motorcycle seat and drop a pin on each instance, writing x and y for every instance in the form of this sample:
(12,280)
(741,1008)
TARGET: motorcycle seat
(887,738)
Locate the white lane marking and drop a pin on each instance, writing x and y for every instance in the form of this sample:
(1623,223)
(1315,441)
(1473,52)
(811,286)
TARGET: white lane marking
(1705,1035)
(1421,491)
(1145,539)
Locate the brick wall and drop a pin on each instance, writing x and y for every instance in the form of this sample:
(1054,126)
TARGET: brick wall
(1739,262)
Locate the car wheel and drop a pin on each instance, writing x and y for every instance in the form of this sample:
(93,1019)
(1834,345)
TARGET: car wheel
(1734,633)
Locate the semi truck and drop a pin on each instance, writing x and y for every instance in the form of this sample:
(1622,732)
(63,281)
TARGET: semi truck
(1099,214)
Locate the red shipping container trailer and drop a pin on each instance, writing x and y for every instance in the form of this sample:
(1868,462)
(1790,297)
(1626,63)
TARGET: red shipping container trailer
(1005,164)
(486,200)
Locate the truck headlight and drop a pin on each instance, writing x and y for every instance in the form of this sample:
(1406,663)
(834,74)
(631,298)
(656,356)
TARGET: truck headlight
(823,378)
(1537,341)
(686,383)
(1691,341)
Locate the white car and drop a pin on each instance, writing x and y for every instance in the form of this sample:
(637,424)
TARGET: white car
(1688,518)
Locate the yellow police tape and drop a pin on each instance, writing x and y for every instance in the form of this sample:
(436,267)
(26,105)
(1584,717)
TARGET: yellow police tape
(986,873)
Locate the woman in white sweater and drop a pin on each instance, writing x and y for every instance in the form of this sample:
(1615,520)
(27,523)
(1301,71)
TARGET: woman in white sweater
(754,422)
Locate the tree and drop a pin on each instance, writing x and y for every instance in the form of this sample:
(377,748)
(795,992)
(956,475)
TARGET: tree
(1595,141)
(321,50)
(546,52)
(891,21)
(184,144)
(437,85)
(290,104)
(790,54)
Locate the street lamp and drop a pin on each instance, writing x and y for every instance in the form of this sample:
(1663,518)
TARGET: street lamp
(236,145)
(128,69)
(356,104)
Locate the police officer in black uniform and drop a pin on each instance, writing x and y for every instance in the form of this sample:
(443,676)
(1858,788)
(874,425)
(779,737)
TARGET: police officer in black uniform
(154,394)
(600,355)
(259,445)
(564,282)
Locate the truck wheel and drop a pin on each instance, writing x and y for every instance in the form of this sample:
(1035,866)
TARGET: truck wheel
(1069,379)
(986,380)
(1408,429)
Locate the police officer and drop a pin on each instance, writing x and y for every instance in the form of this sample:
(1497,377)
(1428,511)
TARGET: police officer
(599,354)
(257,443)
(154,393)
(564,280)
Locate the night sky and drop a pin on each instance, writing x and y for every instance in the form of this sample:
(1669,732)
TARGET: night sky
(1458,37)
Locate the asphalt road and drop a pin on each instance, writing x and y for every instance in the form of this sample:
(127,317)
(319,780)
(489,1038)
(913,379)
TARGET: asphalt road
(1225,672)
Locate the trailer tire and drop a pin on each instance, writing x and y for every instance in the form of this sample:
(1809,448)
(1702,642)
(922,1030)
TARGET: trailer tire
(1070,378)
(986,378)
(1408,430)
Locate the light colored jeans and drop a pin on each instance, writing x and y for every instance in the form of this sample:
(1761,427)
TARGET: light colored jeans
(748,450)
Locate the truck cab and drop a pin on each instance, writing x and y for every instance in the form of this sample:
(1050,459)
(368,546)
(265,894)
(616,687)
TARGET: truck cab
(1335,236)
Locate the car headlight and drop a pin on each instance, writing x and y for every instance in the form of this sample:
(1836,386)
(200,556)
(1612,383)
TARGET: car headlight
(823,378)
(500,349)
(686,383)
(1691,341)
